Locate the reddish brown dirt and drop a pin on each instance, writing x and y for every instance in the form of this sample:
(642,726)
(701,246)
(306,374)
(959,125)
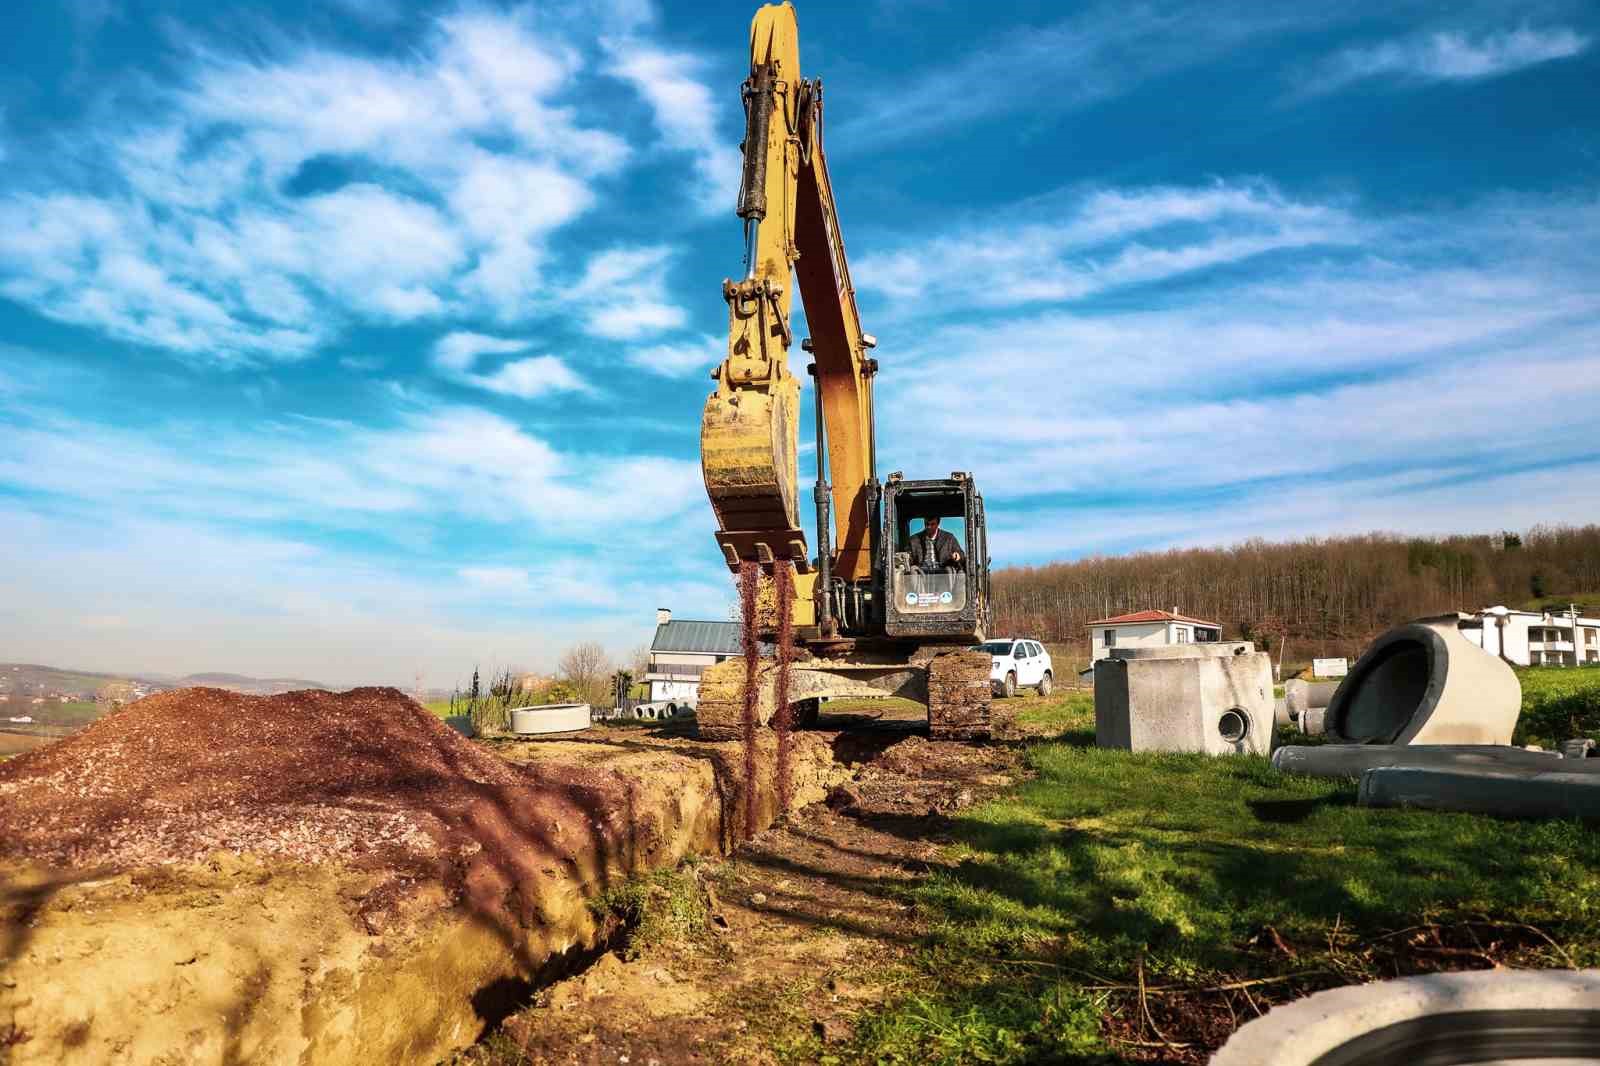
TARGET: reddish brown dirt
(366,778)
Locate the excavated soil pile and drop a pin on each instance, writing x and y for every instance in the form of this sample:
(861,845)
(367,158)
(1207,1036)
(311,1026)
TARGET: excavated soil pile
(318,878)
(367,778)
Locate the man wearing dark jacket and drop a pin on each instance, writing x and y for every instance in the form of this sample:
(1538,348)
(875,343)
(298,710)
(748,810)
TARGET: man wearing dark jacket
(933,548)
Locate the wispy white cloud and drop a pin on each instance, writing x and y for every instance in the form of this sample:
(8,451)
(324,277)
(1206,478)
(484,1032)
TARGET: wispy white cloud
(1447,56)
(431,465)
(685,112)
(681,359)
(1097,52)
(1421,356)
(1077,246)
(373,621)
(623,294)
(253,208)
(456,355)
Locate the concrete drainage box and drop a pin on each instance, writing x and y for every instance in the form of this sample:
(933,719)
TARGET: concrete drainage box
(1210,698)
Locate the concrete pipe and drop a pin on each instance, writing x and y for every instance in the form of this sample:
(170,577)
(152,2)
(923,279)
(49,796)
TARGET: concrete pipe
(1512,793)
(1424,683)
(1351,760)
(1314,723)
(550,718)
(1304,696)
(1543,1017)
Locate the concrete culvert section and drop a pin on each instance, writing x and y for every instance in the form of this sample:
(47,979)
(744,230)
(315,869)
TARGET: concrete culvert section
(1511,792)
(1352,760)
(1509,1017)
(1424,683)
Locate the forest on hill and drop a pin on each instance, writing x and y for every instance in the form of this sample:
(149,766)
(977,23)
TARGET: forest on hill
(1327,595)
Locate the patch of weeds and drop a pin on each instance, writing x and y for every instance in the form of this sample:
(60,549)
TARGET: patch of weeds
(1067,715)
(662,908)
(989,1020)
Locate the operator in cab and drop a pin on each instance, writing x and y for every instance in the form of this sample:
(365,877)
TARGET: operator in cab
(935,549)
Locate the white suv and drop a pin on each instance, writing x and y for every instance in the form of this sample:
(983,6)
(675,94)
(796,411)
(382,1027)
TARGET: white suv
(1019,664)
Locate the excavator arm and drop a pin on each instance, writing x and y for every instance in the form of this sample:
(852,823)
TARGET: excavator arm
(750,427)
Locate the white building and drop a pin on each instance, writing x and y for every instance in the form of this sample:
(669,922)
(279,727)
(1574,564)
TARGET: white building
(1147,629)
(1536,638)
(682,650)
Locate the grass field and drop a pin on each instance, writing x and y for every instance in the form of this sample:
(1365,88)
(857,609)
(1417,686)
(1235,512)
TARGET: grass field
(1558,704)
(1221,885)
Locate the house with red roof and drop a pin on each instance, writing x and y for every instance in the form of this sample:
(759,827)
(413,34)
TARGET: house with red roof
(1147,629)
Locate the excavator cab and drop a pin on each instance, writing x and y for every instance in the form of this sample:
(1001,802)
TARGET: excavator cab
(923,598)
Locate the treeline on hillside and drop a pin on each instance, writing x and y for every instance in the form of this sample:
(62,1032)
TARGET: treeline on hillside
(1338,592)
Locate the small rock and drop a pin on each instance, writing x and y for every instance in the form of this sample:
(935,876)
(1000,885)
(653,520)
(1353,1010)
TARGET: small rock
(758,899)
(833,1030)
(842,797)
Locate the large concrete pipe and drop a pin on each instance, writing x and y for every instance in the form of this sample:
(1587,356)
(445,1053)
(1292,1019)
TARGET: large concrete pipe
(1303,695)
(1514,793)
(1543,1017)
(1424,683)
(1351,760)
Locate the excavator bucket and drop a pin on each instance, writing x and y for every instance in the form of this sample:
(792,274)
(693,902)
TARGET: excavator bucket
(748,456)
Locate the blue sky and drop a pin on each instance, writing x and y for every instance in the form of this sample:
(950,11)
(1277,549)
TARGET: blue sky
(358,340)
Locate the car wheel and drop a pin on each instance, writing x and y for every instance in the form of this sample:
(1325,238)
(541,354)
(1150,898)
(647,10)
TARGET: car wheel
(1009,688)
(1046,683)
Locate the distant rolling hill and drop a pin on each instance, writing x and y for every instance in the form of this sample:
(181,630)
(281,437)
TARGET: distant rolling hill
(256,686)
(27,679)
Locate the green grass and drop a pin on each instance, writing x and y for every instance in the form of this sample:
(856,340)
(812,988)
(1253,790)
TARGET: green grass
(1561,602)
(1558,704)
(439,707)
(660,909)
(1107,863)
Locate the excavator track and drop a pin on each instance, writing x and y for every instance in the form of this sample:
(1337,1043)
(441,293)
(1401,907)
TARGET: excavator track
(719,711)
(954,685)
(959,693)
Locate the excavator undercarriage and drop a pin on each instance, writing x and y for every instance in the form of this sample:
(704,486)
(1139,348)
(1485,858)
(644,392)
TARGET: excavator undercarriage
(954,685)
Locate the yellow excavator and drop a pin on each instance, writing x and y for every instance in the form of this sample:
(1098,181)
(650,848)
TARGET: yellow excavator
(876,612)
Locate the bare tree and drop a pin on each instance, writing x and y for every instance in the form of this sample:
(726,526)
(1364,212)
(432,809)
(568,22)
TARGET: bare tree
(587,668)
(1335,593)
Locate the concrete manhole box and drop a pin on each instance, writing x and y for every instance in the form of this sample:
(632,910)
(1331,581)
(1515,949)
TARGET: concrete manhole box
(1209,698)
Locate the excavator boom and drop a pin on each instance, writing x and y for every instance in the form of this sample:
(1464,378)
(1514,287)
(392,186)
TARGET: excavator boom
(750,427)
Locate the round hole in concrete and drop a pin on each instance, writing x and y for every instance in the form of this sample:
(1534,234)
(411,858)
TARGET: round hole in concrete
(1234,725)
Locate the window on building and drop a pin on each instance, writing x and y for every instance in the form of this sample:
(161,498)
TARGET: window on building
(1111,638)
(1183,635)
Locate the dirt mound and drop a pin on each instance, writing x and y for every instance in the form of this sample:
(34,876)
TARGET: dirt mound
(366,777)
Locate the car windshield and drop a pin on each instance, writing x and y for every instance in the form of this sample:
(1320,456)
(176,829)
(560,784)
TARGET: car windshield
(995,647)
